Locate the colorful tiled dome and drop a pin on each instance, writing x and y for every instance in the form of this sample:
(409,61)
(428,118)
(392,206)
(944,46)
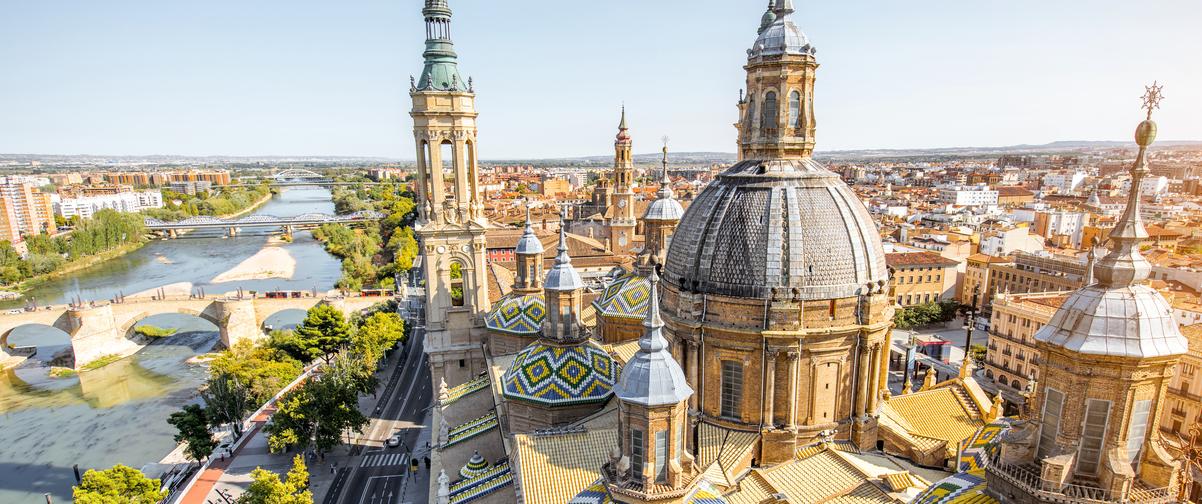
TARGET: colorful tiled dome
(625,297)
(474,467)
(517,314)
(597,493)
(561,375)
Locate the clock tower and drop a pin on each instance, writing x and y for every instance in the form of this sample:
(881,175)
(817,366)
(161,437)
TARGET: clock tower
(621,221)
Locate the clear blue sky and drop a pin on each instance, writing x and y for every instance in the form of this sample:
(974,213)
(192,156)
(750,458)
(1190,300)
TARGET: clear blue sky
(321,77)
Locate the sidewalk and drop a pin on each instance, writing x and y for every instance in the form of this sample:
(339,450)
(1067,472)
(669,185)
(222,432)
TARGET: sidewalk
(232,475)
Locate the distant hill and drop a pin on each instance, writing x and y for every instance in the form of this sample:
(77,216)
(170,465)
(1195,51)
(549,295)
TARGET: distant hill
(693,158)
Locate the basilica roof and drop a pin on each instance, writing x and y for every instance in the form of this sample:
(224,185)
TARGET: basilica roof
(1132,321)
(625,297)
(517,314)
(779,35)
(787,224)
(557,375)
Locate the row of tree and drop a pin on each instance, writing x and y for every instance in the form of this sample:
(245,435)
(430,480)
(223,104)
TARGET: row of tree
(122,484)
(177,206)
(925,314)
(107,230)
(376,255)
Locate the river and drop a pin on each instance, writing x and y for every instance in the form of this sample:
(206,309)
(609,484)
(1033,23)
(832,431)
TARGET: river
(117,414)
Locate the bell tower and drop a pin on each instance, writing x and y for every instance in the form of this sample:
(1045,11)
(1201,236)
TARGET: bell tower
(777,113)
(451,221)
(622,223)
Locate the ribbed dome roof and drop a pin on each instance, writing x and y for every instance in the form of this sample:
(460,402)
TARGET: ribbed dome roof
(782,223)
(1132,321)
(781,37)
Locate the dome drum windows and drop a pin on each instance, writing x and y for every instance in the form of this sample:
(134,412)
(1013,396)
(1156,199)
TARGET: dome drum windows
(770,121)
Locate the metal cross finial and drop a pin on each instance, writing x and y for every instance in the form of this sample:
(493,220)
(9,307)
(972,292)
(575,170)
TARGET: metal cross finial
(1152,97)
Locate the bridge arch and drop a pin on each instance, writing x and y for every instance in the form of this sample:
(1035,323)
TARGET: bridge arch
(32,338)
(283,319)
(127,327)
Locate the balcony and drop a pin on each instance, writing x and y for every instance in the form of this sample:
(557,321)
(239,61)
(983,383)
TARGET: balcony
(1027,478)
(1184,392)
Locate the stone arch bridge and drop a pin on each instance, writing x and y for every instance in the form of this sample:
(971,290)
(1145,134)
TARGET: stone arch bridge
(104,329)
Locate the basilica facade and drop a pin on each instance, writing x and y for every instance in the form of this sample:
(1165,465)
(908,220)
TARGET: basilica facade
(743,354)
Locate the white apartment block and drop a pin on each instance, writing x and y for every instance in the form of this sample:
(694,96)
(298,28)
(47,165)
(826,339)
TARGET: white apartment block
(1150,186)
(980,195)
(87,206)
(1065,183)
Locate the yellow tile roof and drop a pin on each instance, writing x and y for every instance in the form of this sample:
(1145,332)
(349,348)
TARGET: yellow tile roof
(864,494)
(553,469)
(753,489)
(625,350)
(816,478)
(944,413)
(724,446)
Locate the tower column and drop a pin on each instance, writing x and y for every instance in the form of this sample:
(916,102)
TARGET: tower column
(862,365)
(692,370)
(794,356)
(873,390)
(770,389)
(437,177)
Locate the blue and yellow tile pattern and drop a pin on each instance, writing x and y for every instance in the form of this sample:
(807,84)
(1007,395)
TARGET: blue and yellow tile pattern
(517,314)
(560,375)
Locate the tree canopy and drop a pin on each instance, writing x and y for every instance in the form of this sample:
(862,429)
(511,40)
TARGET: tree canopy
(323,332)
(266,487)
(117,485)
(192,427)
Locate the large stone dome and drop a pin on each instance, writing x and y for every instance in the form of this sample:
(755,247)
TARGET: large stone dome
(784,225)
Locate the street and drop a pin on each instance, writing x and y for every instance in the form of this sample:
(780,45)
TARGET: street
(377,472)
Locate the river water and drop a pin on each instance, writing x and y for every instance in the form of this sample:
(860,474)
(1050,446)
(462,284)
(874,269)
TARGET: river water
(117,414)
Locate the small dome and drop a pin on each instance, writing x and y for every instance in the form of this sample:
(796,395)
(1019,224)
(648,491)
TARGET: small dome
(780,38)
(474,467)
(529,244)
(1130,321)
(517,314)
(625,297)
(664,209)
(781,223)
(563,276)
(556,375)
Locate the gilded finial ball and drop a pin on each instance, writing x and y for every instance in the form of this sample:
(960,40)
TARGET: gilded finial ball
(1145,134)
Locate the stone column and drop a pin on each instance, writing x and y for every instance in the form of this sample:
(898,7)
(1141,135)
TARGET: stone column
(691,358)
(770,389)
(437,179)
(862,366)
(813,390)
(794,356)
(874,384)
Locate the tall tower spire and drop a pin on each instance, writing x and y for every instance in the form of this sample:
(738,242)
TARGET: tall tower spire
(441,71)
(451,223)
(564,291)
(776,115)
(529,255)
(1123,265)
(622,223)
(659,223)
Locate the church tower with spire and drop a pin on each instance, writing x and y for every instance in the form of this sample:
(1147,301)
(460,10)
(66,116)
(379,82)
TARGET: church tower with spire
(621,222)
(451,222)
(777,113)
(1107,356)
(659,222)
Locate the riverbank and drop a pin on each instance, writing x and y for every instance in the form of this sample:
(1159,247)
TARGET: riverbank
(78,265)
(96,259)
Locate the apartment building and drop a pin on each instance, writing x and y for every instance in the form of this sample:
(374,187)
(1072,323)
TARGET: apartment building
(86,206)
(920,277)
(980,195)
(1035,273)
(1183,403)
(1011,358)
(25,211)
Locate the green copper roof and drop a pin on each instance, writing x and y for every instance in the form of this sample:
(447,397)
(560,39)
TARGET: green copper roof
(441,71)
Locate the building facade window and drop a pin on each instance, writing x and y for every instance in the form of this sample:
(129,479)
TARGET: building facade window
(1053,406)
(1137,430)
(795,110)
(768,123)
(661,456)
(1097,413)
(636,451)
(732,389)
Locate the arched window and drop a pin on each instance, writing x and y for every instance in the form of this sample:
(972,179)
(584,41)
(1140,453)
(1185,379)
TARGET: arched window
(456,284)
(768,123)
(795,110)
(447,174)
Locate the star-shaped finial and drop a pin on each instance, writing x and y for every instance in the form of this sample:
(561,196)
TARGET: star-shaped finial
(1152,97)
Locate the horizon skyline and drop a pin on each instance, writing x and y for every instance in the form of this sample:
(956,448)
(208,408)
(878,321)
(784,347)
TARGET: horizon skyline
(142,98)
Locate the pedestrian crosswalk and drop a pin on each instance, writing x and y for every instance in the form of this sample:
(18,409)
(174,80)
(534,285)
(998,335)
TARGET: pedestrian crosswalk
(385,459)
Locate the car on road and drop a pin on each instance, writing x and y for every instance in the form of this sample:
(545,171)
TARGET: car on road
(394,441)
(14,312)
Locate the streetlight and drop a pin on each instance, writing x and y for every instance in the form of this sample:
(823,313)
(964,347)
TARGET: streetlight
(970,320)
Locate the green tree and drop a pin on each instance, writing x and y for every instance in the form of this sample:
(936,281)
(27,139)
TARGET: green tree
(322,410)
(228,401)
(323,332)
(262,370)
(192,426)
(377,333)
(266,487)
(117,485)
